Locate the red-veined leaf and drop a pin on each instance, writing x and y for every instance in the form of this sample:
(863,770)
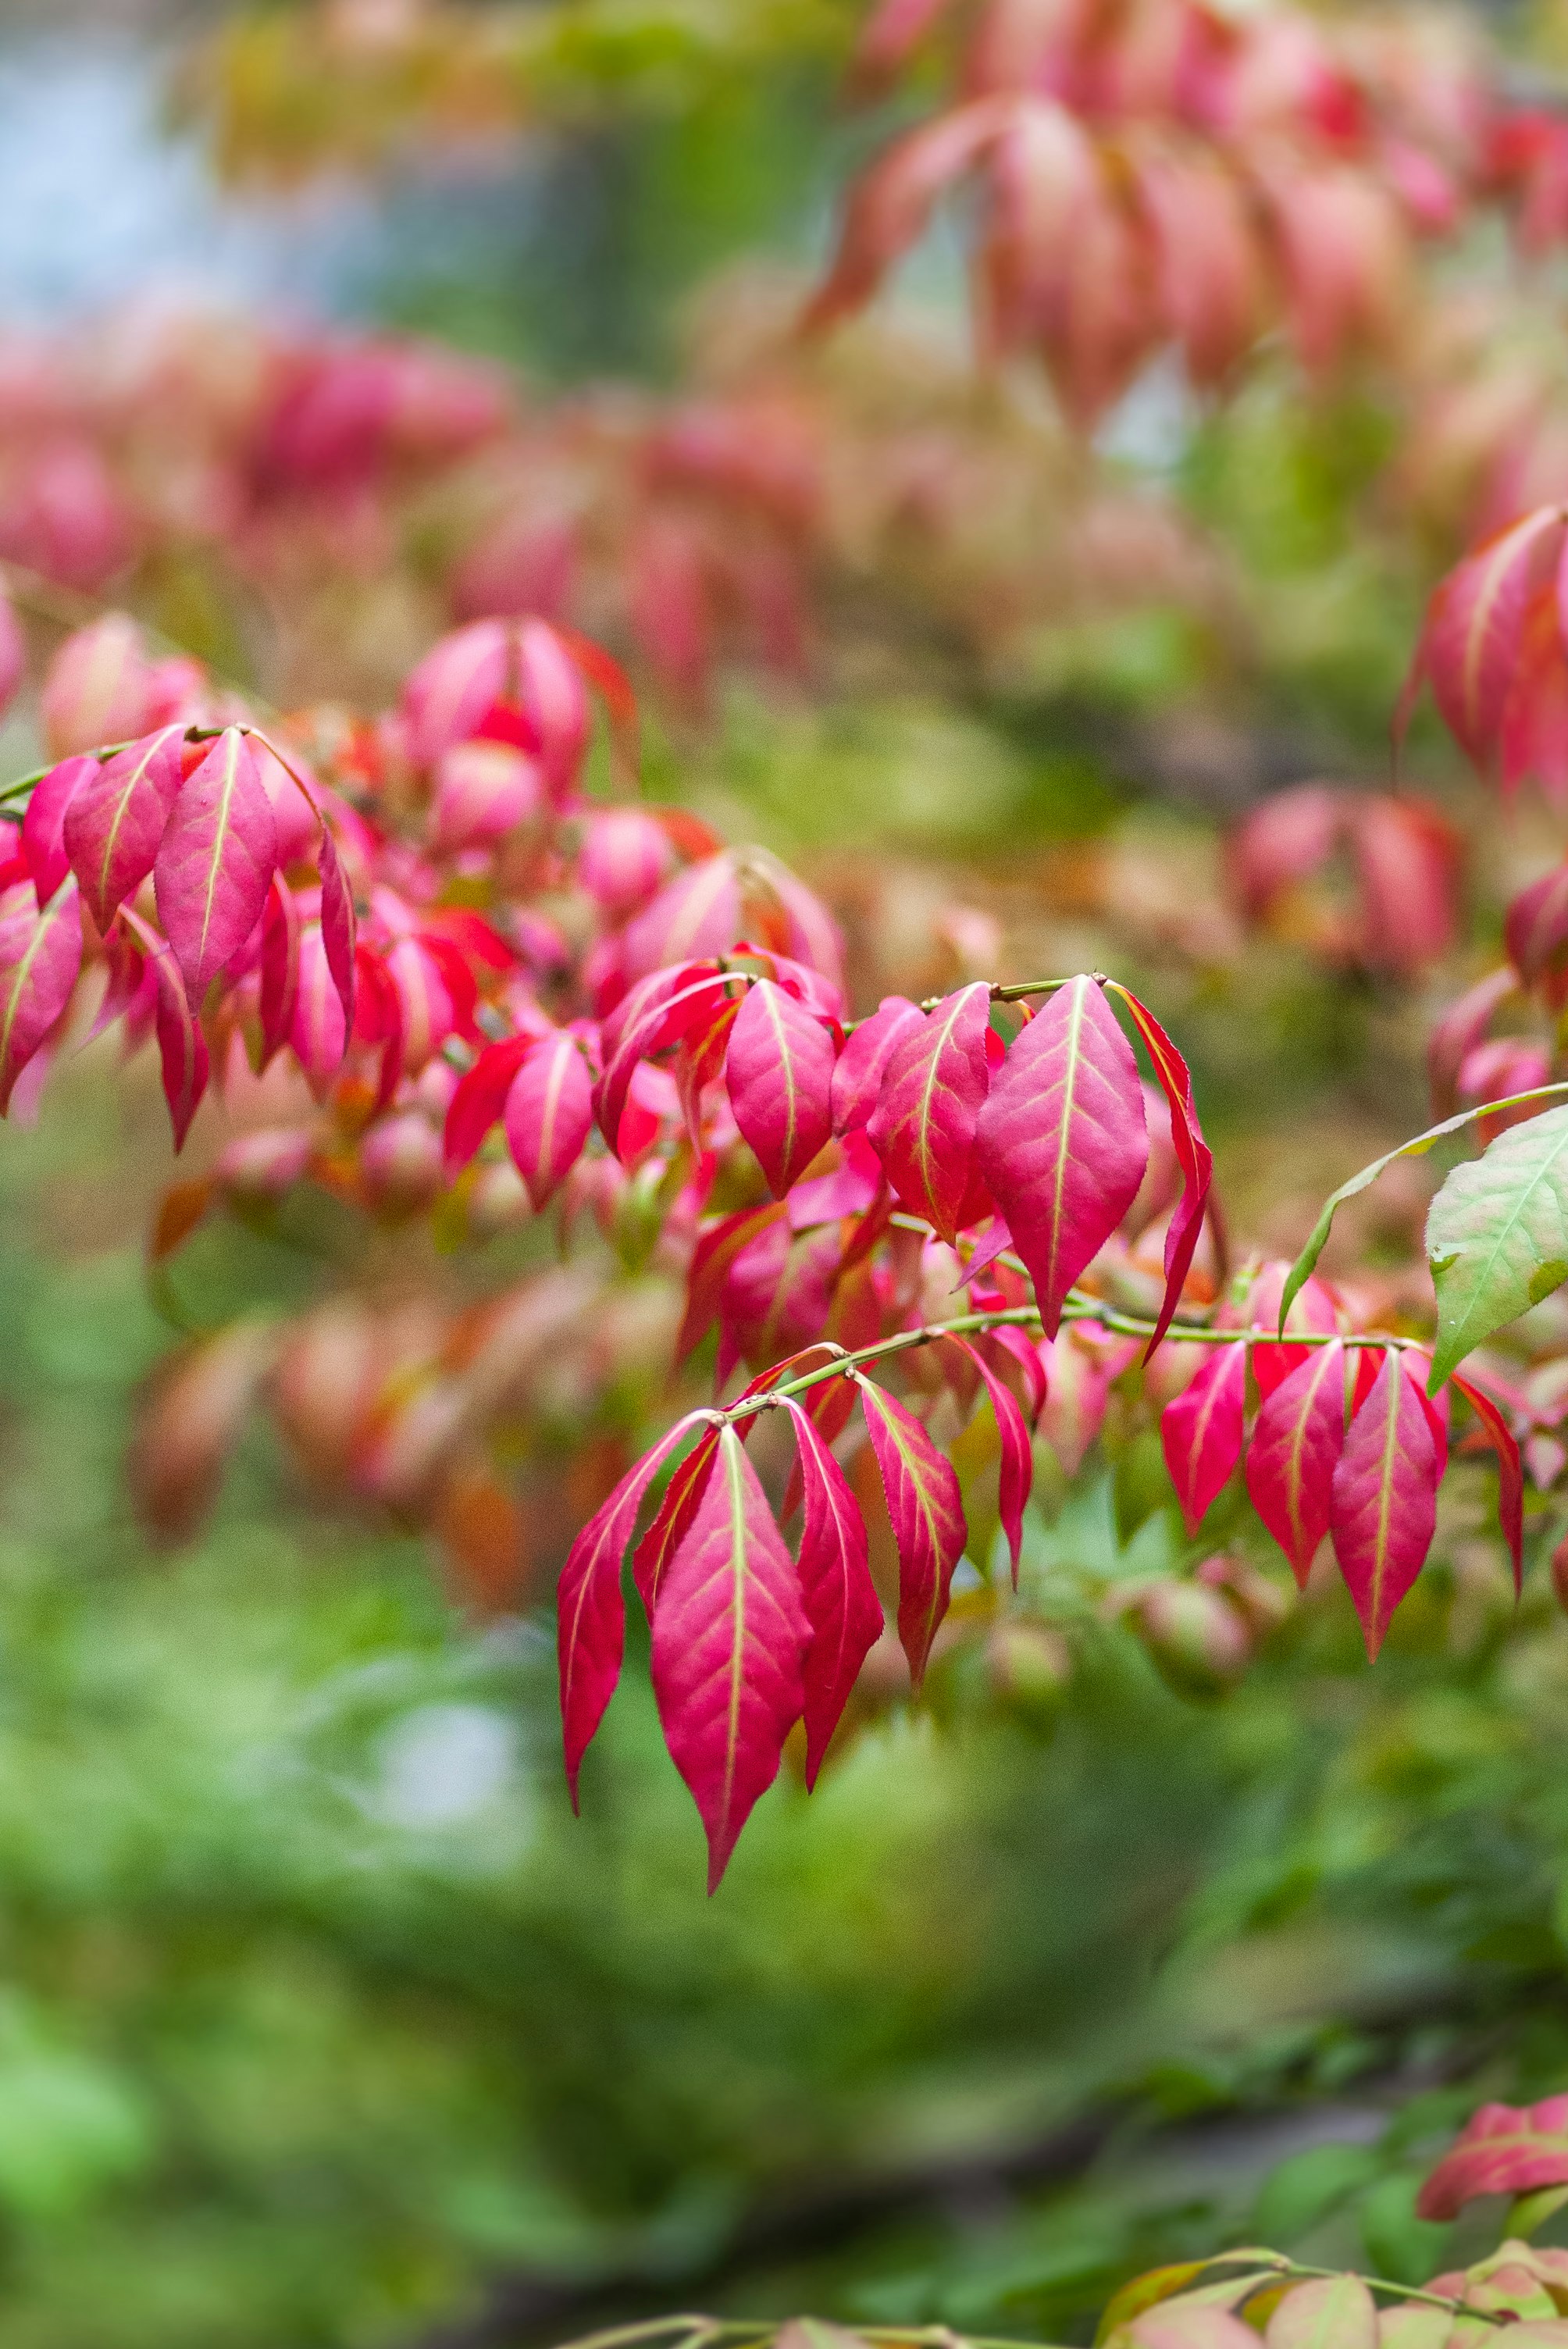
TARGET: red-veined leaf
(40,957)
(731,1635)
(1294,1450)
(182,1047)
(590,1606)
(279,1000)
(841,1604)
(116,820)
(1062,1140)
(932,1088)
(549,1115)
(215,861)
(858,1073)
(1201,1432)
(927,1515)
(1017,1473)
(1510,1472)
(1502,2149)
(778,1071)
(1383,1508)
(1193,1156)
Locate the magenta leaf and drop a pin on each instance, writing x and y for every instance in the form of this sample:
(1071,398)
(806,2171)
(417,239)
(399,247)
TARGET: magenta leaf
(317,1037)
(1474,627)
(858,1075)
(927,1515)
(841,1603)
(480,1099)
(932,1088)
(549,1115)
(1502,2149)
(1062,1140)
(1294,1450)
(182,1047)
(1510,1472)
(590,1608)
(673,1519)
(215,861)
(280,967)
(338,927)
(555,703)
(42,827)
(1385,1498)
(731,1635)
(116,820)
(1193,1156)
(778,1071)
(454,689)
(1017,1468)
(40,957)
(1201,1432)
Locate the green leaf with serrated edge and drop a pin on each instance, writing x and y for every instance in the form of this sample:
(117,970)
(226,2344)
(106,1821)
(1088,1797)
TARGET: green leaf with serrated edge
(1496,1237)
(1302,1270)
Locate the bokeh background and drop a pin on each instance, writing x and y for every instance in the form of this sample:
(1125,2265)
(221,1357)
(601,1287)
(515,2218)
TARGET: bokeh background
(321,2019)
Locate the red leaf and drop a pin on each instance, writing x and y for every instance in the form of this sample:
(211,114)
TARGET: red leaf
(890,204)
(1201,1432)
(42,827)
(338,929)
(718,1244)
(1193,1156)
(556,705)
(590,1608)
(1312,1309)
(858,1073)
(778,1071)
(549,1115)
(683,1499)
(1294,1450)
(933,1084)
(1408,859)
(453,689)
(481,1098)
(1510,1473)
(927,1515)
(1456,1033)
(1284,841)
(656,1014)
(1502,2149)
(1474,626)
(279,968)
(215,861)
(1385,1499)
(1062,1140)
(182,1047)
(841,1604)
(729,1641)
(116,820)
(317,1037)
(1018,1469)
(40,956)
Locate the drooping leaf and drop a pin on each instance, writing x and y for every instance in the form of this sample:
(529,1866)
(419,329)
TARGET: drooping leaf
(1474,625)
(656,1015)
(933,1084)
(1061,1140)
(549,1115)
(858,1073)
(1016,1475)
(1510,1472)
(590,1606)
(1293,1452)
(779,1069)
(280,967)
(338,927)
(42,827)
(1385,1499)
(40,957)
(1201,1432)
(1502,2149)
(116,820)
(479,1098)
(1497,1236)
(1193,1156)
(215,861)
(181,1046)
(840,1600)
(927,1515)
(730,1636)
(318,1037)
(672,1520)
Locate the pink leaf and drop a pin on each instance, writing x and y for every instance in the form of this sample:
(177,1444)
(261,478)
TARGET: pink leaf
(857,1073)
(116,820)
(42,827)
(841,1604)
(1201,1432)
(932,1088)
(317,1037)
(1474,626)
(1312,1308)
(279,968)
(1018,1469)
(673,1519)
(447,698)
(659,1012)
(1193,1156)
(589,1609)
(549,1114)
(182,1047)
(927,1515)
(215,861)
(1062,1140)
(97,687)
(1459,1031)
(339,929)
(480,1099)
(1510,1473)
(1502,2149)
(730,1636)
(778,1071)
(1294,1450)
(555,704)
(1385,1498)
(40,956)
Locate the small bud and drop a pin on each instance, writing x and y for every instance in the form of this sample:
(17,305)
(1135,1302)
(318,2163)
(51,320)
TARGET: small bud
(1029,1666)
(1262,1605)
(624,858)
(1197,1643)
(483,791)
(400,1165)
(255,1168)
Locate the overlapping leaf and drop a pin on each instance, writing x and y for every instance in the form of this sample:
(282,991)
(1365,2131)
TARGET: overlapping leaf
(1201,1432)
(933,1087)
(779,1069)
(927,1515)
(1293,1452)
(1385,1498)
(839,1596)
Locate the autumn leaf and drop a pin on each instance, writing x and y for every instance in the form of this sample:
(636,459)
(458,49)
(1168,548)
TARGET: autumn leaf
(1385,1498)
(927,1515)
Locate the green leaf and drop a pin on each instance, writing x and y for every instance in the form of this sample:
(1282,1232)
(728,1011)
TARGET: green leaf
(1496,1237)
